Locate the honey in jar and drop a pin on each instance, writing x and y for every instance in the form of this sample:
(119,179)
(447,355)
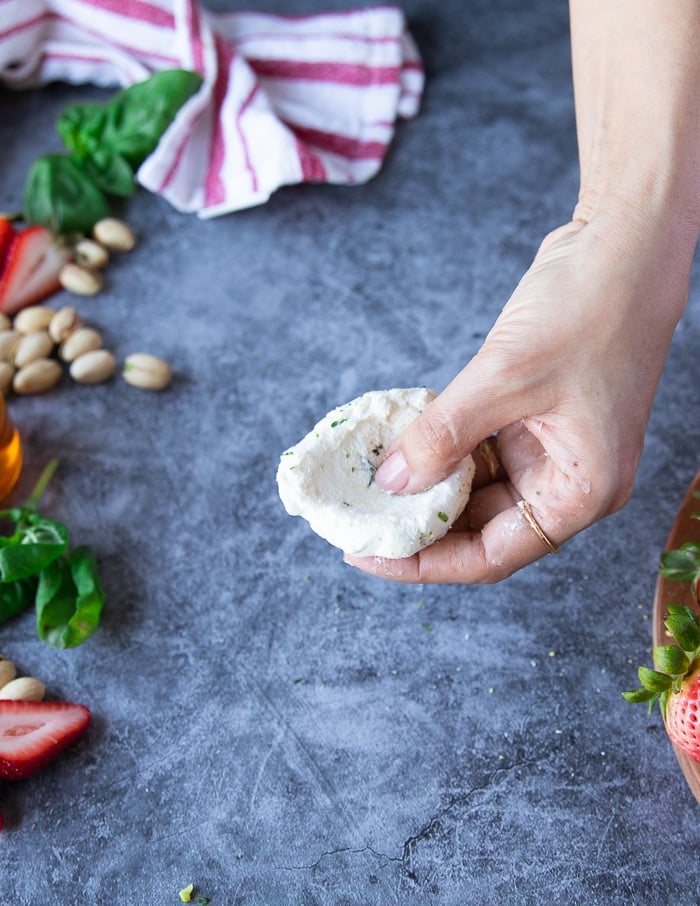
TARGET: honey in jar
(10,451)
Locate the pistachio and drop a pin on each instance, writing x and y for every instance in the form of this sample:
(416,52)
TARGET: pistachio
(80,280)
(82,340)
(9,340)
(36,317)
(5,322)
(7,373)
(141,369)
(64,322)
(89,253)
(23,689)
(93,367)
(37,345)
(8,671)
(114,235)
(37,377)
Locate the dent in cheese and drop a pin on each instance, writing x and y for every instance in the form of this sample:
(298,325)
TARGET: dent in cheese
(328,479)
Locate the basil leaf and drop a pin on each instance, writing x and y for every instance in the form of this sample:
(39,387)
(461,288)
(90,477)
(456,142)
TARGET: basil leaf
(59,195)
(15,597)
(69,599)
(43,540)
(129,126)
(111,172)
(138,116)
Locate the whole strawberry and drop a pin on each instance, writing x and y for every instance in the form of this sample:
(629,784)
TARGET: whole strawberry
(675,684)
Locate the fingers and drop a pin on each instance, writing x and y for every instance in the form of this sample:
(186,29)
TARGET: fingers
(506,543)
(472,407)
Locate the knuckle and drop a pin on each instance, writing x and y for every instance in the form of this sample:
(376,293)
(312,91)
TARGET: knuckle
(434,434)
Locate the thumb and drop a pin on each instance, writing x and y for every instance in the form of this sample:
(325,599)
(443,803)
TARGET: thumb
(470,408)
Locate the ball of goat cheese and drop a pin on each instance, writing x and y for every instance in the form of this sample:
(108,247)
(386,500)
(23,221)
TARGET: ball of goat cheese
(328,479)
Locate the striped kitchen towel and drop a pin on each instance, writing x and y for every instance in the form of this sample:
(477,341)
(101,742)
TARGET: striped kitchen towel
(285,99)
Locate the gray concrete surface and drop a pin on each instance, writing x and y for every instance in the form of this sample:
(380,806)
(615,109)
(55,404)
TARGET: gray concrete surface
(269,723)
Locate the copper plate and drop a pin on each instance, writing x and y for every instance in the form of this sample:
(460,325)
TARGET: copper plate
(669,591)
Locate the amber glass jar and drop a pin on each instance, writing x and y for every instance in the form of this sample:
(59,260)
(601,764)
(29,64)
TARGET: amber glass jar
(10,451)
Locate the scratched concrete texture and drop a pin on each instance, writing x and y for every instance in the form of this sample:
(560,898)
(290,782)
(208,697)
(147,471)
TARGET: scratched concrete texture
(269,724)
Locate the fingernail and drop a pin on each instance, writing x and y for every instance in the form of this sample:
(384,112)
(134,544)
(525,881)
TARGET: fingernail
(393,474)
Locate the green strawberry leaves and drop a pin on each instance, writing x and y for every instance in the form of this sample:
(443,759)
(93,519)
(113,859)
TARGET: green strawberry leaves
(107,143)
(683,564)
(673,662)
(37,567)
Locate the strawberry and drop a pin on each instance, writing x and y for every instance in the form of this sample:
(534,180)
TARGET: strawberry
(7,232)
(675,685)
(32,265)
(33,733)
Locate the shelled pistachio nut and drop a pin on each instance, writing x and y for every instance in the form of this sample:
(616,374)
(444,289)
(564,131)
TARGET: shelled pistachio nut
(114,234)
(37,345)
(80,280)
(9,340)
(89,253)
(63,323)
(36,317)
(82,340)
(141,369)
(37,377)
(94,367)
(8,672)
(7,373)
(23,689)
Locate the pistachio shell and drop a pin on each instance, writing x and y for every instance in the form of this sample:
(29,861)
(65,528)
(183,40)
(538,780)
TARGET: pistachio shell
(141,369)
(9,340)
(7,373)
(8,671)
(82,340)
(36,317)
(23,689)
(114,234)
(89,253)
(5,322)
(37,377)
(63,323)
(80,280)
(94,367)
(37,345)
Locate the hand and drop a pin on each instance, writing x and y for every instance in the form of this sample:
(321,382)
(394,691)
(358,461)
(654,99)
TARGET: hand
(565,382)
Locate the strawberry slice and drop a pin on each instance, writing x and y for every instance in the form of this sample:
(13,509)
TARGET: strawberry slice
(33,733)
(7,233)
(32,265)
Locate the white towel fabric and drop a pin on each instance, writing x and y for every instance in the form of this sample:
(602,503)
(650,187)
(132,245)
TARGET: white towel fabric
(285,99)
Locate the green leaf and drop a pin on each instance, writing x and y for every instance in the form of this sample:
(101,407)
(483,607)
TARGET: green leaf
(653,680)
(59,195)
(15,597)
(138,116)
(43,540)
(111,172)
(683,564)
(69,599)
(671,659)
(685,630)
(127,128)
(639,695)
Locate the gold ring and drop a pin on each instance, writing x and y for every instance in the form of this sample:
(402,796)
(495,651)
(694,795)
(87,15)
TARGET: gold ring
(488,454)
(529,517)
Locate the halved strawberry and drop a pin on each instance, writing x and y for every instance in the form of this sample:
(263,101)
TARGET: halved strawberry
(32,265)
(7,232)
(33,733)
